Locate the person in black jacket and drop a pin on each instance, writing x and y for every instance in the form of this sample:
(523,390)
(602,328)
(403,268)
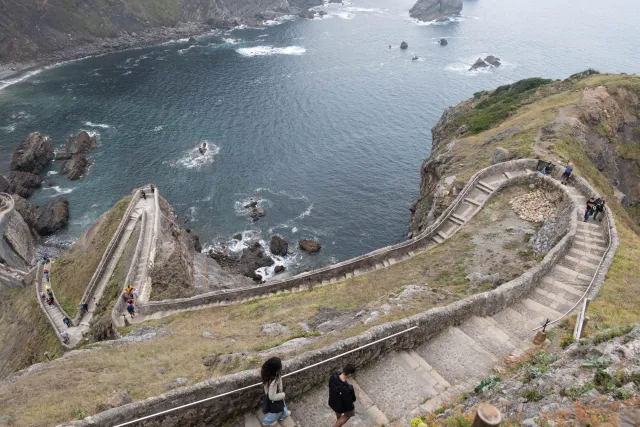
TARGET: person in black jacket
(342,396)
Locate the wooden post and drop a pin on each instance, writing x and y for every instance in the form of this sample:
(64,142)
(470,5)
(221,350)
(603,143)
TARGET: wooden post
(487,416)
(540,338)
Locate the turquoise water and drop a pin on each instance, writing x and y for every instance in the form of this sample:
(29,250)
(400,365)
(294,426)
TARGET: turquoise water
(319,120)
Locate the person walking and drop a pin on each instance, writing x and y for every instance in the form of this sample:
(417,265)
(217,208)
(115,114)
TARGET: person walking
(568,170)
(273,405)
(144,195)
(590,208)
(599,207)
(342,396)
(65,336)
(67,322)
(131,310)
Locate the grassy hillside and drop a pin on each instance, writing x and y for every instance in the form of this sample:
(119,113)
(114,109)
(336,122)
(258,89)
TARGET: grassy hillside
(71,273)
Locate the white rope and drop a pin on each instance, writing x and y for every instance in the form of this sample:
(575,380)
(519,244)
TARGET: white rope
(259,384)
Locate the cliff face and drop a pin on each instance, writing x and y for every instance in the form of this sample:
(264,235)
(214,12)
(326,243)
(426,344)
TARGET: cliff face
(591,120)
(428,10)
(36,29)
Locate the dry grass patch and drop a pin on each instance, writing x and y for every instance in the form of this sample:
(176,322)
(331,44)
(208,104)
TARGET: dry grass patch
(71,273)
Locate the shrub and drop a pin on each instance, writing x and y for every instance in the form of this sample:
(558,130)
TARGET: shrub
(567,341)
(487,384)
(611,334)
(577,391)
(622,394)
(532,395)
(596,362)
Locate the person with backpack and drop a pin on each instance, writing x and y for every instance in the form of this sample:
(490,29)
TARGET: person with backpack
(273,406)
(590,208)
(599,207)
(568,170)
(342,396)
(131,310)
(67,321)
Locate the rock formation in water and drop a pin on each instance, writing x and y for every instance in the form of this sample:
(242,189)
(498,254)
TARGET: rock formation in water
(404,45)
(429,10)
(308,245)
(53,216)
(77,164)
(68,29)
(27,160)
(250,260)
(278,246)
(489,61)
(443,42)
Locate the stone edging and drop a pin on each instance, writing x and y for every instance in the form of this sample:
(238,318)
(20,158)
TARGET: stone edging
(131,274)
(428,323)
(97,274)
(365,261)
(44,309)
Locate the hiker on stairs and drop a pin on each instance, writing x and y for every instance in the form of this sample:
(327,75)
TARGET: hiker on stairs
(342,396)
(273,406)
(599,205)
(590,208)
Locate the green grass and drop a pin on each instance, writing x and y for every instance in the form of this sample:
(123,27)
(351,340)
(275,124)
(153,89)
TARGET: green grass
(71,273)
(532,395)
(496,107)
(611,334)
(577,391)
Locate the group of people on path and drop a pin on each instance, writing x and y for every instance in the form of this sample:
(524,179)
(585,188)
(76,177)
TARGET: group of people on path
(595,206)
(342,396)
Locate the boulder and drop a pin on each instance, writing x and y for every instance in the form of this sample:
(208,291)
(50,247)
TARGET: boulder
(279,269)
(278,246)
(195,242)
(480,63)
(307,14)
(237,236)
(480,278)
(500,155)
(267,15)
(442,19)
(443,42)
(253,258)
(257,213)
(32,153)
(492,60)
(114,400)
(24,183)
(82,143)
(4,184)
(193,40)
(251,205)
(404,45)
(274,329)
(429,10)
(53,216)
(76,167)
(178,382)
(308,245)
(415,58)
(26,209)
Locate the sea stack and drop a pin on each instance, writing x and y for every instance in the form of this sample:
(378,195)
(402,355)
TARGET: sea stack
(430,10)
(404,45)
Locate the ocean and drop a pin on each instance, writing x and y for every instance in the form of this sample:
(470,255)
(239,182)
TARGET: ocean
(318,120)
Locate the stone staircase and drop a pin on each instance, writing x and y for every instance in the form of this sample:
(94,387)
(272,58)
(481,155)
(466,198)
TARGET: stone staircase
(403,384)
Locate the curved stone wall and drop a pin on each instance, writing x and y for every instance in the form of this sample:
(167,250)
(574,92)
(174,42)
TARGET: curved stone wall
(427,325)
(343,269)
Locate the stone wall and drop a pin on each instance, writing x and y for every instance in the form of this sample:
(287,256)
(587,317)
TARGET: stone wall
(363,262)
(232,401)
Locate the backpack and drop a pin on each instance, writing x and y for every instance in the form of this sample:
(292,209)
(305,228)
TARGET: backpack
(271,406)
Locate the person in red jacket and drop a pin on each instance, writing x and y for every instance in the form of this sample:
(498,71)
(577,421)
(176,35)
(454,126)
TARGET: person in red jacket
(342,396)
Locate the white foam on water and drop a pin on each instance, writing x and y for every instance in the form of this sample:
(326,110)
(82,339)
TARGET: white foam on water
(294,230)
(281,192)
(261,36)
(52,173)
(59,190)
(270,50)
(279,20)
(239,205)
(428,23)
(366,9)
(306,213)
(14,80)
(462,66)
(194,160)
(127,73)
(193,210)
(342,15)
(158,128)
(9,128)
(228,40)
(97,125)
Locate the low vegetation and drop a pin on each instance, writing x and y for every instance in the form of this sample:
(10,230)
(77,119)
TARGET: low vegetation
(71,273)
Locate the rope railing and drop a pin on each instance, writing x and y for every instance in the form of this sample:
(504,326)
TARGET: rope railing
(593,279)
(260,384)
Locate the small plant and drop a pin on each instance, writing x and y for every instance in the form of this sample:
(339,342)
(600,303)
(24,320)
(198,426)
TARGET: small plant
(577,391)
(443,409)
(80,414)
(596,362)
(566,341)
(537,365)
(603,381)
(416,422)
(622,394)
(487,384)
(611,334)
(532,395)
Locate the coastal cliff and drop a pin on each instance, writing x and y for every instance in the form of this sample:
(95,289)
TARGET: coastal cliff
(58,29)
(429,10)
(592,120)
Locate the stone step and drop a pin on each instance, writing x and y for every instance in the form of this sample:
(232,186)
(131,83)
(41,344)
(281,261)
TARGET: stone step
(419,370)
(442,234)
(250,420)
(568,292)
(566,275)
(456,356)
(472,201)
(490,337)
(455,220)
(535,312)
(459,218)
(586,247)
(598,234)
(508,175)
(581,262)
(259,416)
(483,188)
(394,389)
(436,238)
(551,300)
(487,185)
(515,324)
(595,226)
(585,255)
(600,243)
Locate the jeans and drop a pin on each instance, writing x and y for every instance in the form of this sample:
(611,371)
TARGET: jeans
(271,419)
(587,214)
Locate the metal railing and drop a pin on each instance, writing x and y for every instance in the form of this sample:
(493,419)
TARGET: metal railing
(260,384)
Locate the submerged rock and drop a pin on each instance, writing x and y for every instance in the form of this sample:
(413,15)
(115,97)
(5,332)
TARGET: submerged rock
(429,10)
(404,45)
(278,246)
(443,42)
(279,269)
(257,213)
(480,63)
(53,216)
(308,245)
